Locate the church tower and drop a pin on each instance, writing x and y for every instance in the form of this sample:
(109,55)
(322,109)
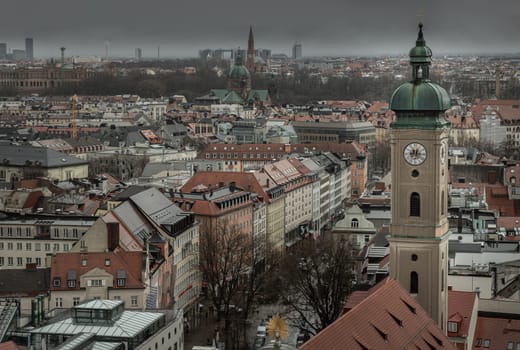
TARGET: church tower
(239,79)
(250,62)
(419,226)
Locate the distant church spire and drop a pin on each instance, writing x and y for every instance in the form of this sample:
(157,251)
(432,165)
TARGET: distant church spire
(250,62)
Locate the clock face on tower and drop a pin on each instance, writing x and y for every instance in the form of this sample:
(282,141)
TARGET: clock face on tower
(415,153)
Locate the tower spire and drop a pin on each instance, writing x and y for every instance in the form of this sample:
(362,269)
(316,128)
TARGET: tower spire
(250,62)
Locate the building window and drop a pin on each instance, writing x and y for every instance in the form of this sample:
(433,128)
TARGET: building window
(38,261)
(354,223)
(96,283)
(487,343)
(19,261)
(1,245)
(9,246)
(478,342)
(66,247)
(47,247)
(133,300)
(28,246)
(56,282)
(19,246)
(415,204)
(121,282)
(452,327)
(71,283)
(414,282)
(510,345)
(28,260)
(117,297)
(75,233)
(56,232)
(10,261)
(1,260)
(75,301)
(59,302)
(442,203)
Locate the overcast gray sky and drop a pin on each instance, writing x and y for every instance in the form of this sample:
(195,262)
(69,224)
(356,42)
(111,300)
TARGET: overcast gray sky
(336,27)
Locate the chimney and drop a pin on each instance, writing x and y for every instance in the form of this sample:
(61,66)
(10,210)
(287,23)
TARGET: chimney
(112,235)
(232,186)
(267,183)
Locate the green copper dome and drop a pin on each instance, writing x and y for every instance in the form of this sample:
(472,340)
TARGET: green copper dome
(420,102)
(239,71)
(425,96)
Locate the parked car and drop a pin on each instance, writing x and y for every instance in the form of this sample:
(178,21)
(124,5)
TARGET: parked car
(259,342)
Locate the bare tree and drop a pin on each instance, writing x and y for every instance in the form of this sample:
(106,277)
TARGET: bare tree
(234,272)
(317,277)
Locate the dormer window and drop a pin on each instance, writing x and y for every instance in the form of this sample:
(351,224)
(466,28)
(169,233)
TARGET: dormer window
(121,278)
(453,327)
(56,282)
(71,278)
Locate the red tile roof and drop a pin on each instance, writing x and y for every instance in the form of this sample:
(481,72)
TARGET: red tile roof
(131,262)
(460,309)
(498,331)
(389,318)
(10,345)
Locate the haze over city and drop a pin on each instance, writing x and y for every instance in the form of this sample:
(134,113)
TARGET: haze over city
(330,27)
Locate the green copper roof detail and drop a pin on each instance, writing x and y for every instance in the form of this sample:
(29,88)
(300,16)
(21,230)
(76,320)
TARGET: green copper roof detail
(420,94)
(239,71)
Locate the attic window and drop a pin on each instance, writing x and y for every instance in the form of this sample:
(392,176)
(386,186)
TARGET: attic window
(410,307)
(107,262)
(56,282)
(397,320)
(363,346)
(83,262)
(437,339)
(381,333)
(487,343)
(452,327)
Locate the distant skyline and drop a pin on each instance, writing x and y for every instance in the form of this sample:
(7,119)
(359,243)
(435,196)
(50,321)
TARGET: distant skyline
(328,27)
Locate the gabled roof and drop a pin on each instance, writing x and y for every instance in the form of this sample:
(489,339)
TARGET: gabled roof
(389,318)
(65,265)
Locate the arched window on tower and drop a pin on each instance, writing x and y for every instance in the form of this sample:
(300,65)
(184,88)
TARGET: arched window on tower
(415,204)
(414,282)
(442,203)
(354,223)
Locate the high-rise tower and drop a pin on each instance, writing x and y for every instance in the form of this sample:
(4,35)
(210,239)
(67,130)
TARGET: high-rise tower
(419,226)
(250,61)
(29,48)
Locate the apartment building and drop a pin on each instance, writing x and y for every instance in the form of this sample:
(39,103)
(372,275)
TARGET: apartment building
(32,240)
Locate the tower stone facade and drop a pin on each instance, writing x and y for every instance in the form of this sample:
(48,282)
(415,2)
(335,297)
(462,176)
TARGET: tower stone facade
(419,226)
